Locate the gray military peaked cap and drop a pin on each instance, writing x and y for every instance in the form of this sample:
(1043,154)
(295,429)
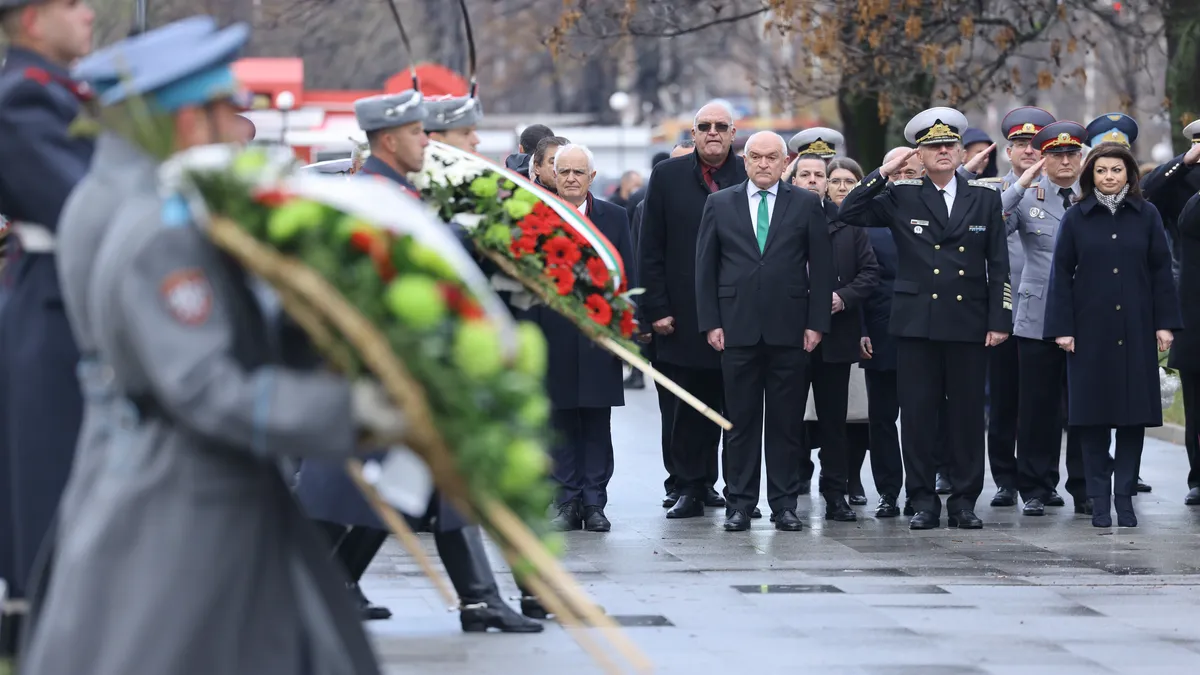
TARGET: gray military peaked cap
(452,112)
(387,111)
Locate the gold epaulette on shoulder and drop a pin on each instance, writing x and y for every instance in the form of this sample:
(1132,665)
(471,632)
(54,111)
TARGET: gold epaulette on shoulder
(989,183)
(907,181)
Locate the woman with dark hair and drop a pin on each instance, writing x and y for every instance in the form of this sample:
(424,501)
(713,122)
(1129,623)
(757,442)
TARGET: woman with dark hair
(1112,306)
(856,273)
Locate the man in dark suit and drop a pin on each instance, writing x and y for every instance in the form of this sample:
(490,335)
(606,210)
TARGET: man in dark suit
(764,289)
(674,201)
(952,299)
(583,380)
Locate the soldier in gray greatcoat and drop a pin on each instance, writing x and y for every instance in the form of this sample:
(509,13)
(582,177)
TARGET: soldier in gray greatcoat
(189,508)
(1033,207)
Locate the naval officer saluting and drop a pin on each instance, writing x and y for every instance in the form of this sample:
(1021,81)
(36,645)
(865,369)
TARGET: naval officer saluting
(952,300)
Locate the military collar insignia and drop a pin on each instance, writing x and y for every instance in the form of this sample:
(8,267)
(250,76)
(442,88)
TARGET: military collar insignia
(907,181)
(984,184)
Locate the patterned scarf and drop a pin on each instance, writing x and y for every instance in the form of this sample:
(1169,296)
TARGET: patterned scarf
(1112,202)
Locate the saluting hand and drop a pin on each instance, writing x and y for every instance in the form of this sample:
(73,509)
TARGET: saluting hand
(994,338)
(1066,343)
(897,163)
(1192,155)
(978,162)
(1165,338)
(1032,173)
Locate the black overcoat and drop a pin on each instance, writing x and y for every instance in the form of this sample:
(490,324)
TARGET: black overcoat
(1111,289)
(877,310)
(855,275)
(675,196)
(1185,353)
(580,373)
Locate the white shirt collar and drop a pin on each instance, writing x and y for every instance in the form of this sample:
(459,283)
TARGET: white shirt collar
(951,187)
(583,207)
(754,189)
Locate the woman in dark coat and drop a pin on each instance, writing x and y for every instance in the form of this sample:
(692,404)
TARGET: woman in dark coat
(1112,306)
(829,364)
(1185,352)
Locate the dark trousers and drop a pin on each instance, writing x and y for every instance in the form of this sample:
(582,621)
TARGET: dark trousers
(749,373)
(931,374)
(858,441)
(666,414)
(831,391)
(1003,409)
(942,444)
(694,438)
(353,547)
(883,408)
(583,455)
(1043,367)
(1115,474)
(1190,384)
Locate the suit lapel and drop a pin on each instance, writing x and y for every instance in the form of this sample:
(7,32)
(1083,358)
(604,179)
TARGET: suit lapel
(746,227)
(934,202)
(963,201)
(783,201)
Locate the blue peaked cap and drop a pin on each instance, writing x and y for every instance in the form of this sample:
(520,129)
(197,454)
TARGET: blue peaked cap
(177,69)
(1112,128)
(104,68)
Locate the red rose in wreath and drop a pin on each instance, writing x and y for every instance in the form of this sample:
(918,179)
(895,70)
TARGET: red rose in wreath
(562,251)
(523,246)
(627,323)
(598,309)
(563,278)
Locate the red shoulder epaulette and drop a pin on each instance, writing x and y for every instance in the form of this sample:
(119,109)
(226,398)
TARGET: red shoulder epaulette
(38,75)
(44,78)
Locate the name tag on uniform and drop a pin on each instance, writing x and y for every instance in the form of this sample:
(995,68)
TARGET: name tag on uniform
(977,228)
(918,225)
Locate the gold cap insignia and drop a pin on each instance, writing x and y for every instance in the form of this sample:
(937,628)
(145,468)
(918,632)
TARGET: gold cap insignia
(1064,137)
(939,131)
(1115,136)
(1028,128)
(818,147)
(1115,118)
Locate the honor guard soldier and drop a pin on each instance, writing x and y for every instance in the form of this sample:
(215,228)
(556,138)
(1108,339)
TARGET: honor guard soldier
(205,415)
(952,301)
(395,133)
(40,163)
(1033,207)
(453,120)
(394,124)
(820,141)
(1019,127)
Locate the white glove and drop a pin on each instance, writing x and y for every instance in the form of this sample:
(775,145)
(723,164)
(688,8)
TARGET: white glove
(521,298)
(373,412)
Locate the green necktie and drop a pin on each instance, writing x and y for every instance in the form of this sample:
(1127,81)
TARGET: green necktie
(764,220)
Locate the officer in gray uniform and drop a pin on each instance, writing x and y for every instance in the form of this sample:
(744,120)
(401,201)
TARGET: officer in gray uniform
(40,163)
(453,120)
(1033,207)
(118,169)
(191,550)
(393,123)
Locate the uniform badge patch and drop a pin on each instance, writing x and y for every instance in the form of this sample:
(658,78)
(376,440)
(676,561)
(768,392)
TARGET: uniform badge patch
(977,228)
(188,296)
(1035,212)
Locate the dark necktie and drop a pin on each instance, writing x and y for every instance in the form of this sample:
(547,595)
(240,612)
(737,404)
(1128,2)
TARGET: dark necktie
(1066,193)
(945,206)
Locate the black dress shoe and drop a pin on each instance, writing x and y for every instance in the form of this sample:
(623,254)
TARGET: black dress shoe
(1142,487)
(737,521)
(670,499)
(478,617)
(1055,499)
(713,499)
(1083,506)
(1005,497)
(887,507)
(594,519)
(1125,514)
(1034,507)
(366,610)
(568,518)
(924,520)
(636,380)
(787,521)
(942,485)
(965,520)
(806,487)
(837,509)
(1101,511)
(756,513)
(533,608)
(1193,497)
(858,500)
(909,511)
(687,507)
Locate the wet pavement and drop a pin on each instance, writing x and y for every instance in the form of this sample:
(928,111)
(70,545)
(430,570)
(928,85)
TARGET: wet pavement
(865,598)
